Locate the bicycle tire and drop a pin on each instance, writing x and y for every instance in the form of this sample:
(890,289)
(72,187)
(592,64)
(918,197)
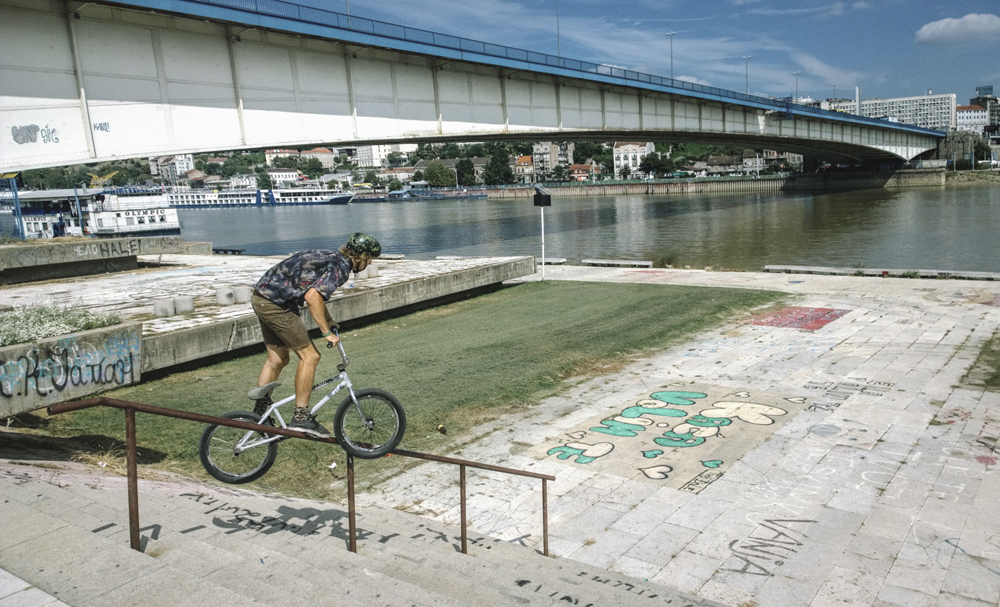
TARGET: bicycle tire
(219,458)
(375,436)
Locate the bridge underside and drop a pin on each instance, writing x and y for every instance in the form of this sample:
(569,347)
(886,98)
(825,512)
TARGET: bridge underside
(108,83)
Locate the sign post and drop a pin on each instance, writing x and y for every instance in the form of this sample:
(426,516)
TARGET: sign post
(12,180)
(542,199)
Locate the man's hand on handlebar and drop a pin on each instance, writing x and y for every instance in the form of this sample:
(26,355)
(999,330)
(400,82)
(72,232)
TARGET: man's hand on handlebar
(334,336)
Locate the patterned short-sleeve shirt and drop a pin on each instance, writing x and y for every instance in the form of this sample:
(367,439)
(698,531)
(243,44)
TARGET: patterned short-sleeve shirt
(286,283)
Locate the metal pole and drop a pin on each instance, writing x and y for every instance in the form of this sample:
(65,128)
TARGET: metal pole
(671,36)
(465,534)
(545,518)
(352,527)
(133,480)
(543,241)
(558,43)
(746,60)
(79,215)
(19,226)
(796,74)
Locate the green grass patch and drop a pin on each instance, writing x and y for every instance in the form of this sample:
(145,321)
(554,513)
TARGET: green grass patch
(986,370)
(458,365)
(31,323)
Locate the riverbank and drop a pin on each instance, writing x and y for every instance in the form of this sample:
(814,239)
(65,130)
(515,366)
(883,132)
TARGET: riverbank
(973,177)
(759,184)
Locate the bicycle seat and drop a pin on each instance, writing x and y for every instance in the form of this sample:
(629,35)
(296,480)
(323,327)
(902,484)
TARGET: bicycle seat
(262,391)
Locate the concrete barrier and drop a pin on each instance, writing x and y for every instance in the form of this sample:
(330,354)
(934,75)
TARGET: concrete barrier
(51,371)
(225,296)
(163,308)
(183,305)
(242,294)
(45,261)
(163,350)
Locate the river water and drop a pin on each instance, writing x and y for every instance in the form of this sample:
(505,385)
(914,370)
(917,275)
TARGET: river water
(954,228)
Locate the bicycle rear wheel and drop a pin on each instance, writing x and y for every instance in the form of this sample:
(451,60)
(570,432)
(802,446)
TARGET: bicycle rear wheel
(222,458)
(374,432)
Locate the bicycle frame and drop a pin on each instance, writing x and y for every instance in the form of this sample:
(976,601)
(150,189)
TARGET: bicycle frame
(345,382)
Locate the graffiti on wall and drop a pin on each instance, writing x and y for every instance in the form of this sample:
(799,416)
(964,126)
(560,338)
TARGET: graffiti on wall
(684,437)
(51,371)
(29,134)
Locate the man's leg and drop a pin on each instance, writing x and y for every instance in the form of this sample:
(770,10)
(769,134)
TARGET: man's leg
(277,359)
(305,375)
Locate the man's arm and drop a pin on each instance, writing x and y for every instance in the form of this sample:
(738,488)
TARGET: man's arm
(317,307)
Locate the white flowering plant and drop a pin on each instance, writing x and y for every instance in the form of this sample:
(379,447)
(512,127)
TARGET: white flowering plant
(31,323)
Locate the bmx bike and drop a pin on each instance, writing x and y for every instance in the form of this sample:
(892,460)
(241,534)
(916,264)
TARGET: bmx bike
(368,424)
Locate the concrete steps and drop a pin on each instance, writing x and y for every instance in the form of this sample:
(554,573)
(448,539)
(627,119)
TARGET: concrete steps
(68,535)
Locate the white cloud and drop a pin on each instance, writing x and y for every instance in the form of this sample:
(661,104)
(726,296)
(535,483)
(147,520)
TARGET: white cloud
(694,80)
(862,5)
(970,29)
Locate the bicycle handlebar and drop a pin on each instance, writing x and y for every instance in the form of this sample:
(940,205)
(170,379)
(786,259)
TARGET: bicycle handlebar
(340,346)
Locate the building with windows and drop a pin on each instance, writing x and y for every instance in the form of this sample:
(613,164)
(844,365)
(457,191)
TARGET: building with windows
(928,111)
(325,156)
(973,118)
(270,155)
(524,169)
(172,169)
(282,177)
(631,154)
(984,98)
(547,155)
(374,156)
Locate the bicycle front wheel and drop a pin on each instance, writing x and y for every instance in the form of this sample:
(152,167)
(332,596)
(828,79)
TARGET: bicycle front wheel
(233,455)
(371,429)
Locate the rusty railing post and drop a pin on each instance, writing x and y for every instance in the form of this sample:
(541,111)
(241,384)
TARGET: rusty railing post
(351,522)
(465,534)
(133,480)
(545,518)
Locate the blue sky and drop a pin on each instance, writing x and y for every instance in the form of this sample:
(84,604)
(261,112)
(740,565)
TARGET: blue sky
(890,48)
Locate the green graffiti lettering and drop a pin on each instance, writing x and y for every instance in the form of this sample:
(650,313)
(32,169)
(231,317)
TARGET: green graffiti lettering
(708,422)
(671,439)
(565,452)
(638,410)
(617,428)
(674,397)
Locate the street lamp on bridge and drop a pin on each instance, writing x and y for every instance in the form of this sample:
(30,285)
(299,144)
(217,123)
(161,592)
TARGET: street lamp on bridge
(796,74)
(671,36)
(746,60)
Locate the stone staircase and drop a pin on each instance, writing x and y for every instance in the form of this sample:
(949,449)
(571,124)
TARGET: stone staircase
(64,529)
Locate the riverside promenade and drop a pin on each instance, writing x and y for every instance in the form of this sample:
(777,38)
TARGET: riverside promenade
(836,451)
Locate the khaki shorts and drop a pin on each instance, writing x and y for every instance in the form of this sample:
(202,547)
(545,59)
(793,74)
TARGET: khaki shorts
(280,326)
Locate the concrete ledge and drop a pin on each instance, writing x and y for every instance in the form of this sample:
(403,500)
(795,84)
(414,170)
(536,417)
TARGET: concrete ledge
(892,273)
(552,261)
(45,261)
(618,263)
(167,349)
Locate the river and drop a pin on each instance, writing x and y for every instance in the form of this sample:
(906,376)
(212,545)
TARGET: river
(953,228)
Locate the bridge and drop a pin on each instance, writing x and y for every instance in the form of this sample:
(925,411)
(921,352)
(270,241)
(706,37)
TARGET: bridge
(98,81)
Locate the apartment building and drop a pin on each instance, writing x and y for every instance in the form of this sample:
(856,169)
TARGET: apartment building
(973,118)
(547,155)
(630,154)
(171,169)
(929,111)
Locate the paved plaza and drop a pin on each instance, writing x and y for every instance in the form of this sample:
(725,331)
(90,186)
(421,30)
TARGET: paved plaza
(832,453)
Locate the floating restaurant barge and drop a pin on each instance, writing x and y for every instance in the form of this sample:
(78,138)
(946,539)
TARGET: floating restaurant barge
(86,212)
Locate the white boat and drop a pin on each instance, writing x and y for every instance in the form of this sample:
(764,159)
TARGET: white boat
(201,198)
(93,212)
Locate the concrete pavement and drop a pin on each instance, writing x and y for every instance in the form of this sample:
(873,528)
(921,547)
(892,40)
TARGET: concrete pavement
(836,454)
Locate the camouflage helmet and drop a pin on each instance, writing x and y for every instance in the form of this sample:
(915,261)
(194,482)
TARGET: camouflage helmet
(363,244)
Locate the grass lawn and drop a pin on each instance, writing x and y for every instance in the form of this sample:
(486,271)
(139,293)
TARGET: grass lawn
(458,365)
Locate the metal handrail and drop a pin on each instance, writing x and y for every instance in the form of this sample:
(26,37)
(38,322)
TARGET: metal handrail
(132,468)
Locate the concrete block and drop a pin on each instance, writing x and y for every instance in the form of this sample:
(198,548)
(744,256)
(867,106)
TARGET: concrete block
(163,308)
(372,271)
(58,369)
(183,305)
(225,296)
(242,294)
